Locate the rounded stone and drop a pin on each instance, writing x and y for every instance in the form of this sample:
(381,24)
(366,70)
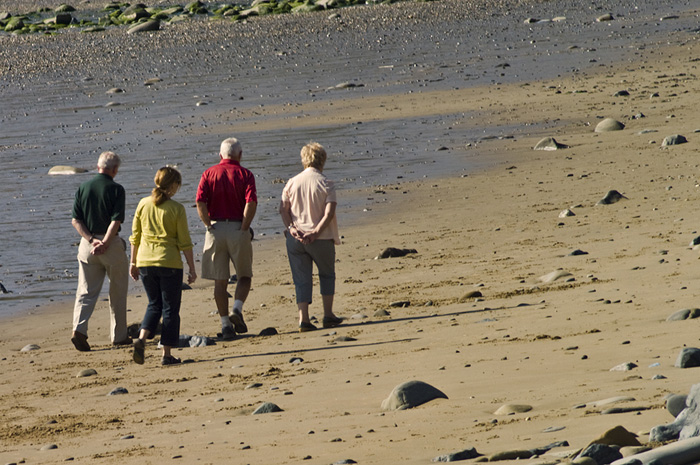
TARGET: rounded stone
(411,394)
(609,124)
(510,409)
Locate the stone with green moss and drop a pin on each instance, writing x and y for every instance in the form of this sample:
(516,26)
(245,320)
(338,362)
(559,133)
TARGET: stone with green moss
(15,23)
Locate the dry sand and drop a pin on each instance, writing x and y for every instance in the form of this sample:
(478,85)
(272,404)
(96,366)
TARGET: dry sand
(550,346)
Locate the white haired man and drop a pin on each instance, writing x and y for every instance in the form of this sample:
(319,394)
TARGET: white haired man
(98,212)
(226,203)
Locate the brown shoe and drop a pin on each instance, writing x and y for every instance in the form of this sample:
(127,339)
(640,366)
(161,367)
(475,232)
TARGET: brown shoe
(80,342)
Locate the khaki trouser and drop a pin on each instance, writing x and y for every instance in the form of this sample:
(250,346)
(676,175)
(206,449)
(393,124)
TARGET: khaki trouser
(91,274)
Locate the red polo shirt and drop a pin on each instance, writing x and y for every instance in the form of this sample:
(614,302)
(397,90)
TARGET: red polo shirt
(226,188)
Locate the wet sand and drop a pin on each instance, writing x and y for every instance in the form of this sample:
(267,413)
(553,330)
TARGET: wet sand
(495,229)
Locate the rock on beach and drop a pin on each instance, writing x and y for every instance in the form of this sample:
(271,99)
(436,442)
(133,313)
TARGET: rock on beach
(411,394)
(609,124)
(550,143)
(65,170)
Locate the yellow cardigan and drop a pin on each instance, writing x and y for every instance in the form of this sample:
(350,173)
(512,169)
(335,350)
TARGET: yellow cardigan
(160,233)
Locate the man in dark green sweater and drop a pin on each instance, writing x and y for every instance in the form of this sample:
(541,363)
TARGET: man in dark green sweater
(98,213)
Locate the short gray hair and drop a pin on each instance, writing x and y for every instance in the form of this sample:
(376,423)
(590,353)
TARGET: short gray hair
(231,148)
(109,161)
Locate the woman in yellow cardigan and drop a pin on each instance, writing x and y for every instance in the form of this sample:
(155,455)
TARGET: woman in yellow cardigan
(159,234)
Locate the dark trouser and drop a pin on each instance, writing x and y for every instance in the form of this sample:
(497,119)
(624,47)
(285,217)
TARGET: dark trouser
(164,290)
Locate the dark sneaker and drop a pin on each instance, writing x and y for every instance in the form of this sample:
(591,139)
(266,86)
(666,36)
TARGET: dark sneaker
(238,324)
(228,333)
(170,360)
(332,322)
(306,327)
(139,351)
(80,342)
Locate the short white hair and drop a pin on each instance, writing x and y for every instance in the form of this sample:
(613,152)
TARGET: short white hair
(108,161)
(231,148)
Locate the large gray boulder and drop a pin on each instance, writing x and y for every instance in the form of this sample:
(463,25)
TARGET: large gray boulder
(609,124)
(689,357)
(687,423)
(411,394)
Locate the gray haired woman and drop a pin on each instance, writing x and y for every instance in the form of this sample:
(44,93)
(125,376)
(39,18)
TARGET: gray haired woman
(308,212)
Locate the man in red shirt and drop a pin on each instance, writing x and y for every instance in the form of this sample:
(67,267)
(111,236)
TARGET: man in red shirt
(226,203)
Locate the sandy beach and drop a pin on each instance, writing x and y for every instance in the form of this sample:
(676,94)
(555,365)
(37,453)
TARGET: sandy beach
(495,230)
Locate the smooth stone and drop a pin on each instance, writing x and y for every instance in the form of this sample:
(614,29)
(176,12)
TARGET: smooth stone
(616,410)
(694,242)
(115,90)
(610,400)
(65,170)
(621,93)
(267,407)
(611,197)
(554,276)
(508,409)
(150,82)
(689,357)
(253,386)
(605,17)
(268,332)
(565,213)
(411,394)
(86,372)
(128,436)
(675,139)
(29,348)
(345,339)
(400,303)
(609,124)
(64,8)
(296,360)
(392,252)
(549,143)
(465,454)
(543,450)
(470,295)
(584,461)
(629,451)
(687,422)
(553,429)
(676,403)
(510,455)
(684,314)
(49,447)
(617,436)
(627,366)
(381,313)
(578,252)
(117,391)
(344,462)
(677,453)
(603,454)
(147,26)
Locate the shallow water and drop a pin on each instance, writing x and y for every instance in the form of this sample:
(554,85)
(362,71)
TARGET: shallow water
(47,121)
